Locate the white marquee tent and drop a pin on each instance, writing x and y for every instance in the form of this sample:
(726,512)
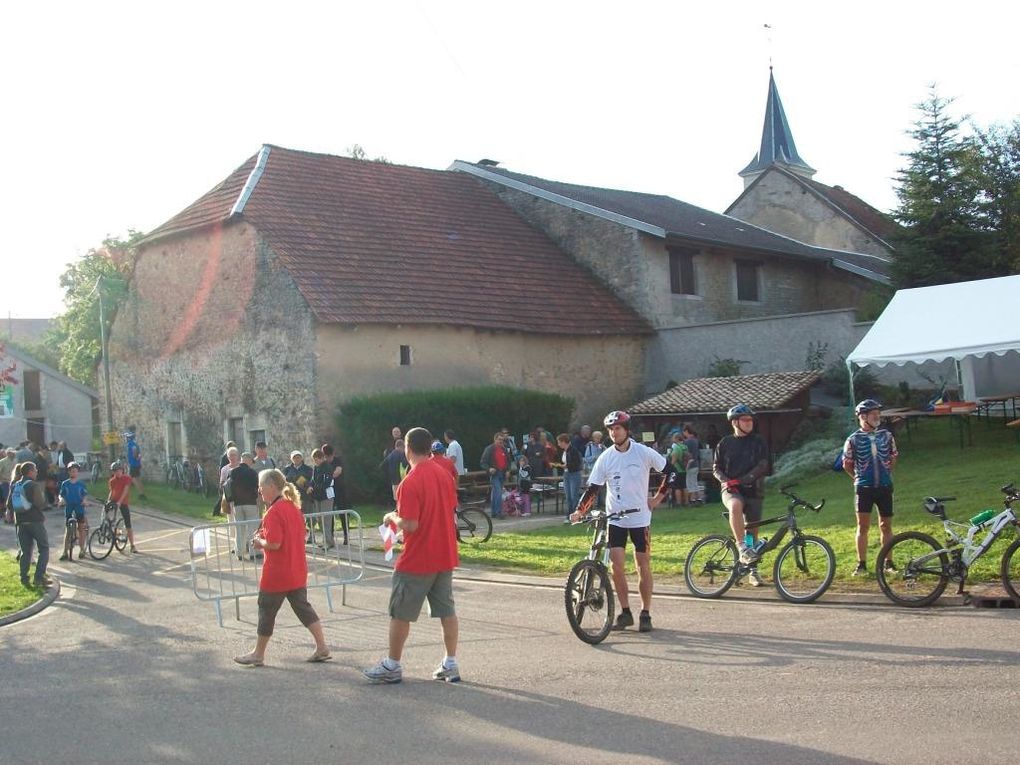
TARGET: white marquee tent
(975,323)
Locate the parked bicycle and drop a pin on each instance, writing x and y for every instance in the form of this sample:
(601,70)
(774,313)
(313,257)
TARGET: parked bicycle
(198,483)
(111,533)
(474,525)
(802,572)
(588,596)
(921,568)
(178,473)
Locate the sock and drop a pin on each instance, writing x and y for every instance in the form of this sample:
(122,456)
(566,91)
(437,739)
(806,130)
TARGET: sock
(449,662)
(391,663)
(644,612)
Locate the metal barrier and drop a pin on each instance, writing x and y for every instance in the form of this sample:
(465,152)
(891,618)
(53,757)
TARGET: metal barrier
(219,571)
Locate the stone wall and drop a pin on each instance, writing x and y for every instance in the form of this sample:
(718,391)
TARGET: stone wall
(213,328)
(780,204)
(365,359)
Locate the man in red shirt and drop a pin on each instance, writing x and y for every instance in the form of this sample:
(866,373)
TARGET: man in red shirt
(425,502)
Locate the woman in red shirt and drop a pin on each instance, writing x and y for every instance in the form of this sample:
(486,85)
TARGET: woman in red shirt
(281,535)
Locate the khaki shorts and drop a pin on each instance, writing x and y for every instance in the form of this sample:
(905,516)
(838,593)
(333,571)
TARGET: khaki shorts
(411,590)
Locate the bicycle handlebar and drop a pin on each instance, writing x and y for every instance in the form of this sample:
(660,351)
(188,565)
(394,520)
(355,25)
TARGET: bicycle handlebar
(797,501)
(595,515)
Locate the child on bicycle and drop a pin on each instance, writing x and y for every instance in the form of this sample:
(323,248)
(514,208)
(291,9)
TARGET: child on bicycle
(72,499)
(120,489)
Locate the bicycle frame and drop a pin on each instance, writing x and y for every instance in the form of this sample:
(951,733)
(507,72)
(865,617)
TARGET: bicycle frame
(971,550)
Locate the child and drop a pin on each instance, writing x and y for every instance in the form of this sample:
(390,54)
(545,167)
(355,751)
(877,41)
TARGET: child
(72,497)
(120,489)
(524,484)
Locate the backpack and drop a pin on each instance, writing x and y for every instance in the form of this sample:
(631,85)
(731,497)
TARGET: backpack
(18,500)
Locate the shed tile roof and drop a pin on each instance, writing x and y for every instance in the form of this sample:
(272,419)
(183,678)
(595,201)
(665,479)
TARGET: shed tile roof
(369,242)
(680,219)
(761,392)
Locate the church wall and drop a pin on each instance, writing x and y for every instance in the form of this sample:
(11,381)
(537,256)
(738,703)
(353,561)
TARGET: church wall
(780,204)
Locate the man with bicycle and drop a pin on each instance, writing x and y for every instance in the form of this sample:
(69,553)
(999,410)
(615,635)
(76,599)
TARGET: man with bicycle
(625,468)
(869,456)
(740,465)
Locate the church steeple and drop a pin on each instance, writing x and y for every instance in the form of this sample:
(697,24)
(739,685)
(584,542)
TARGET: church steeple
(777,146)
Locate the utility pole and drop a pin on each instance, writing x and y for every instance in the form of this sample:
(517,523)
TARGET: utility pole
(106,367)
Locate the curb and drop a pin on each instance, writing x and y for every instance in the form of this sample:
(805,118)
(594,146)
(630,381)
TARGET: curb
(51,594)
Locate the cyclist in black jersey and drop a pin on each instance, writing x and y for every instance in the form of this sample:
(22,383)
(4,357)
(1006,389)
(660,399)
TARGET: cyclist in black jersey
(740,465)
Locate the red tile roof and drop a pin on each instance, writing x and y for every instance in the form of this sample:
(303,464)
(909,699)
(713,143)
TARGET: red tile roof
(708,395)
(368,242)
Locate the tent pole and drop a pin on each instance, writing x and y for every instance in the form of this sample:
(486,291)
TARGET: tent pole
(850,378)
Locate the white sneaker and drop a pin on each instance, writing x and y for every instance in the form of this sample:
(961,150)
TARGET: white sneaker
(755,578)
(380,673)
(447,674)
(748,556)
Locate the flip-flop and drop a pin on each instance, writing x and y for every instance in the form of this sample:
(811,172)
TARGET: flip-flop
(248,660)
(319,657)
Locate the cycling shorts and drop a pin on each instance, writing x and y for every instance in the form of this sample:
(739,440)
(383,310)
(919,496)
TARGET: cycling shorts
(135,472)
(78,513)
(125,512)
(867,497)
(640,536)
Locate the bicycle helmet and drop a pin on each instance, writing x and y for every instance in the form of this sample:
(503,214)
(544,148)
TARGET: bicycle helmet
(117,465)
(617,418)
(74,465)
(740,410)
(438,447)
(867,405)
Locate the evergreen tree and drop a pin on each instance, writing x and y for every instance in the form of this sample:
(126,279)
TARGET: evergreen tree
(945,236)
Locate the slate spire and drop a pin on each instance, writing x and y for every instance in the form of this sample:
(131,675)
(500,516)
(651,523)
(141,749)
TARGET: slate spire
(777,146)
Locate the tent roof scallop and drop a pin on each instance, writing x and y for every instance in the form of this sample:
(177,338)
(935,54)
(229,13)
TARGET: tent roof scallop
(947,321)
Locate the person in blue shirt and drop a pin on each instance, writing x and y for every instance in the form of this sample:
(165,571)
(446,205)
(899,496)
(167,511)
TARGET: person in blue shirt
(72,498)
(869,456)
(134,460)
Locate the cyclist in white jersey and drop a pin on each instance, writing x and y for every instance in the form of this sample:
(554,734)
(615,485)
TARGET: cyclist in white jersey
(623,469)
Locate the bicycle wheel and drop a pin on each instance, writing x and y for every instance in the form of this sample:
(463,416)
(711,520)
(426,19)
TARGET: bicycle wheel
(175,479)
(914,583)
(1011,570)
(101,542)
(588,598)
(712,566)
(804,569)
(95,472)
(120,535)
(473,526)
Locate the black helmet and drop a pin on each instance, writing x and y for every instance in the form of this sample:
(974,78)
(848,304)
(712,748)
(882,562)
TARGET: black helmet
(867,405)
(617,418)
(740,410)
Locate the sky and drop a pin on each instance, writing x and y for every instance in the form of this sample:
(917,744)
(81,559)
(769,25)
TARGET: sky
(119,115)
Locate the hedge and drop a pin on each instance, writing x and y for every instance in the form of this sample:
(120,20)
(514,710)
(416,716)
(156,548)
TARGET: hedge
(474,414)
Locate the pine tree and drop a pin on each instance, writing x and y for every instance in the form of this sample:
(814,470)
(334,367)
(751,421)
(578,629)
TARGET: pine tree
(1000,181)
(945,237)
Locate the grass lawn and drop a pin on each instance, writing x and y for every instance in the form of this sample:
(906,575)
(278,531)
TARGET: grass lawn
(13,595)
(931,463)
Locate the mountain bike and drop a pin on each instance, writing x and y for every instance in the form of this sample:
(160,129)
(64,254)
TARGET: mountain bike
(474,525)
(802,572)
(920,568)
(198,483)
(588,596)
(111,533)
(178,473)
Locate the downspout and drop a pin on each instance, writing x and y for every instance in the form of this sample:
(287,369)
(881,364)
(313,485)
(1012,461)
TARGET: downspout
(850,379)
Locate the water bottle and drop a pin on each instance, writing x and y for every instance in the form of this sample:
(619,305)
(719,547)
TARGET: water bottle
(983,517)
(761,544)
(748,541)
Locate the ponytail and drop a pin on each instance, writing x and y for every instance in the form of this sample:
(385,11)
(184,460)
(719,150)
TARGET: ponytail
(291,493)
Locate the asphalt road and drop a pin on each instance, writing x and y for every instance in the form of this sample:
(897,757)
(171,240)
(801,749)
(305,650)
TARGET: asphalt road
(128,666)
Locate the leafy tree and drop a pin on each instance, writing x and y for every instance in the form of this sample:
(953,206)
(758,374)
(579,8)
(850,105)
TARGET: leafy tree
(76,337)
(999,175)
(945,236)
(357,151)
(7,368)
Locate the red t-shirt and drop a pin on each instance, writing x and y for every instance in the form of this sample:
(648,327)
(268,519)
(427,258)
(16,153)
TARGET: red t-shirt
(447,463)
(428,495)
(285,569)
(120,488)
(499,458)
